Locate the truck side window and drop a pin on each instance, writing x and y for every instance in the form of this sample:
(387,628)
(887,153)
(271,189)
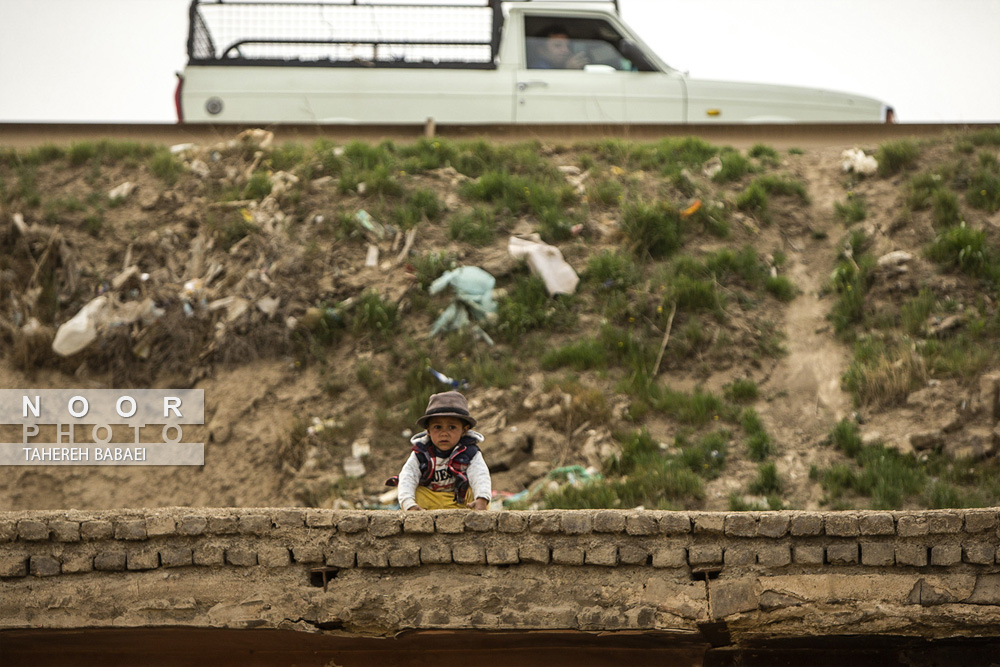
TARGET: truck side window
(550,44)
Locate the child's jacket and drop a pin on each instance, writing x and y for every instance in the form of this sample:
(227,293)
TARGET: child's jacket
(464,467)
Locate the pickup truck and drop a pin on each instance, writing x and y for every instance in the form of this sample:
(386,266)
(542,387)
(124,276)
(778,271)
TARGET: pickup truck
(486,62)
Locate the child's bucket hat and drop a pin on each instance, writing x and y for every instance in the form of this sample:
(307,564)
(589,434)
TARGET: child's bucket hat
(447,404)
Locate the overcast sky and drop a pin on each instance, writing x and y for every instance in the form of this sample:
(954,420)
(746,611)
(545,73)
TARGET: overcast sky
(933,60)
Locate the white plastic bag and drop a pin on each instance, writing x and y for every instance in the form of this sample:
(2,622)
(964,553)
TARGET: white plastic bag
(547,262)
(80,331)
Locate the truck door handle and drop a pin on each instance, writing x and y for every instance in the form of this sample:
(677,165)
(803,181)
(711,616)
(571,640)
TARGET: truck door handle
(524,85)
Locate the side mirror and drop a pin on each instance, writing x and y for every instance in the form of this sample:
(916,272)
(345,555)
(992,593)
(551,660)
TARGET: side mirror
(638,57)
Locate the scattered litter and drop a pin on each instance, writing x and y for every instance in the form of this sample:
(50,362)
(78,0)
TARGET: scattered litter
(854,159)
(18,219)
(81,330)
(545,261)
(236,308)
(124,276)
(282,182)
(371,258)
(262,138)
(444,379)
(894,258)
(712,167)
(193,287)
(361,448)
(554,480)
(199,168)
(405,252)
(692,209)
(268,305)
(354,467)
(369,224)
(473,292)
(224,302)
(177,149)
(122,191)
(575,177)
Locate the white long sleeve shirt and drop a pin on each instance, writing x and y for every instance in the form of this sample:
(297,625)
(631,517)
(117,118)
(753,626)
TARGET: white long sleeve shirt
(443,480)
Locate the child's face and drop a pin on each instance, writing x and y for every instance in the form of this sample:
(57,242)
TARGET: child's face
(445,432)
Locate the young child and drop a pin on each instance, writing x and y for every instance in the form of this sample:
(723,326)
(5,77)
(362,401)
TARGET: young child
(445,470)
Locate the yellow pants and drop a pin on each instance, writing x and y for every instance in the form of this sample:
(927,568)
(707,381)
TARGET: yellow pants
(440,500)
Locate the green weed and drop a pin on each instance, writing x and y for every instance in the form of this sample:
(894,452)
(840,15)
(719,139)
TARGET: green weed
(734,167)
(921,189)
(741,390)
(693,295)
(963,249)
(605,192)
(846,436)
(421,204)
(895,156)
(652,230)
(375,317)
(612,269)
(765,154)
(781,288)
(946,212)
(851,211)
(582,355)
(529,307)
(881,375)
(287,157)
(231,227)
(767,482)
(915,311)
(166,166)
(258,186)
(984,188)
(478,226)
(760,447)
(429,266)
(707,456)
(695,409)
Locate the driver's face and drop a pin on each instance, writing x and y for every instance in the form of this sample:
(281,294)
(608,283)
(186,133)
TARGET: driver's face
(557,49)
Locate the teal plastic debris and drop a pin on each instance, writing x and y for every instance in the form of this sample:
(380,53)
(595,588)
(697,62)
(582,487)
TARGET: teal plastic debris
(473,289)
(369,224)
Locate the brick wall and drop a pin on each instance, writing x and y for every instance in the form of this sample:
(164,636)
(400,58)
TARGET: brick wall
(736,566)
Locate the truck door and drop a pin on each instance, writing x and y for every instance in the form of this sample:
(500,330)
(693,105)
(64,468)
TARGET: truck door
(655,97)
(569,74)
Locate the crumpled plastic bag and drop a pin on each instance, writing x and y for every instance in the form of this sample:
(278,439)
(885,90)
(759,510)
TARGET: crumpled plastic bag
(854,159)
(473,298)
(80,331)
(545,261)
(100,313)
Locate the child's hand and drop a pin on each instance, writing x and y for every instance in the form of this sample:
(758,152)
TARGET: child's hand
(480,504)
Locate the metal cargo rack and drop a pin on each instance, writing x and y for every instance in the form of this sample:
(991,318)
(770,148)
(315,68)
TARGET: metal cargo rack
(346,33)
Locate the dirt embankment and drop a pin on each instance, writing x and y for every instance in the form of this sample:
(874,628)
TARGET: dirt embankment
(232,290)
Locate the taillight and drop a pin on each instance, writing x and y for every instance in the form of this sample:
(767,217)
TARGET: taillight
(177,97)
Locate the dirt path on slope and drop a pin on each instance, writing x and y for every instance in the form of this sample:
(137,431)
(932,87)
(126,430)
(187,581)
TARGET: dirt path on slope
(804,389)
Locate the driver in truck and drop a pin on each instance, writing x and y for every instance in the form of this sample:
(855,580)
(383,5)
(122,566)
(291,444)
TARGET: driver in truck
(554,51)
